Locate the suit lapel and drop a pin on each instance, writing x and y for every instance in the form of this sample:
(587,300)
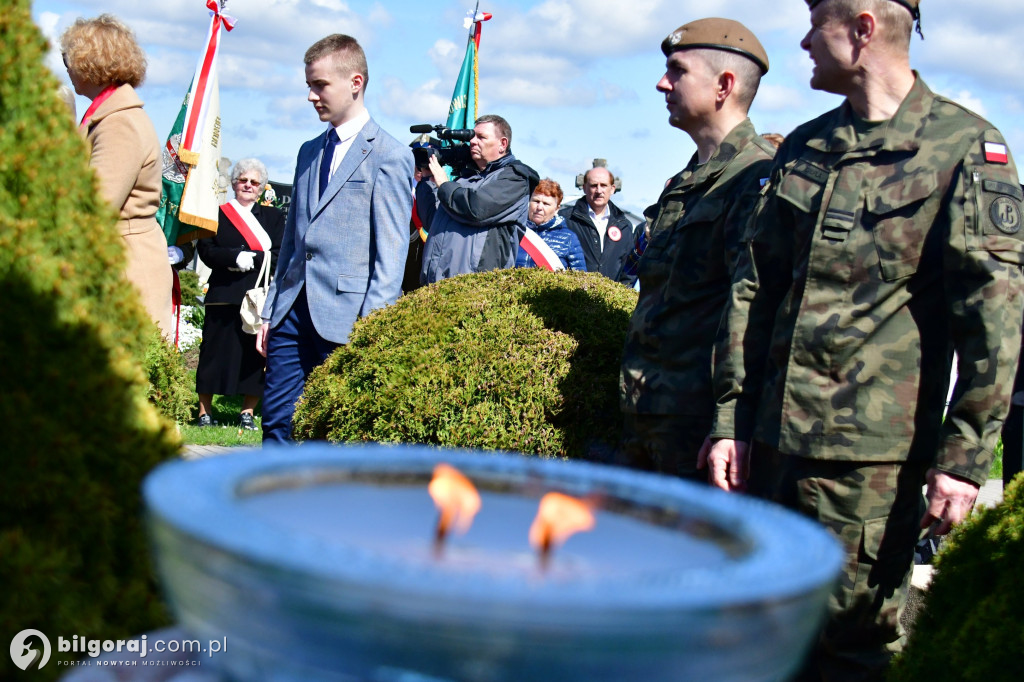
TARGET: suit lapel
(313,177)
(361,147)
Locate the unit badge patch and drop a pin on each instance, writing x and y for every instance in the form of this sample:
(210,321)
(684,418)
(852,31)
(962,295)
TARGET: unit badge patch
(1005,215)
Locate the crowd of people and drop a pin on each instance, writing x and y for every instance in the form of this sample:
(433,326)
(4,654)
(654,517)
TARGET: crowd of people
(799,308)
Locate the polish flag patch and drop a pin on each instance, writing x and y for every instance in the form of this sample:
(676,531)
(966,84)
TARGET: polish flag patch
(996,153)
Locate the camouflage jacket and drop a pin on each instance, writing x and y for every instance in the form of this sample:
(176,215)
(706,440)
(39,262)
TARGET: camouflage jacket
(685,274)
(868,263)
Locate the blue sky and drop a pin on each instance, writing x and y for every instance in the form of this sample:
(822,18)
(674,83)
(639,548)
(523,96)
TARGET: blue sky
(575,78)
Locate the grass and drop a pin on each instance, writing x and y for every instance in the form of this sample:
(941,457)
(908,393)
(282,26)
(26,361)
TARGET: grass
(997,463)
(225,411)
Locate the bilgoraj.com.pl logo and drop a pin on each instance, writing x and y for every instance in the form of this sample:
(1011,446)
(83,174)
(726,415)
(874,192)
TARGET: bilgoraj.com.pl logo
(30,650)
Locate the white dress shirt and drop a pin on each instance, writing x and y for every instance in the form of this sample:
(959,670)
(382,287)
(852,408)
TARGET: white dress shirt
(346,133)
(600,222)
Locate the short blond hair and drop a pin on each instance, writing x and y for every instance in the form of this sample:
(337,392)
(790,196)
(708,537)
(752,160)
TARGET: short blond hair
(896,23)
(347,53)
(103,51)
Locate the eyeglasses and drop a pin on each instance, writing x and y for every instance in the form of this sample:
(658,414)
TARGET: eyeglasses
(248,181)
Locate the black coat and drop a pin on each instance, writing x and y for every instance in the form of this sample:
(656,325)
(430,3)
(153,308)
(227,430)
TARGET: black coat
(220,251)
(607,262)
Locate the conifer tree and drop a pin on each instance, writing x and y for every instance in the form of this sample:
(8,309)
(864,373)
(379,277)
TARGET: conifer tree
(77,432)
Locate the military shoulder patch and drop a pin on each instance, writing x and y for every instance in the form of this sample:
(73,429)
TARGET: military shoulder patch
(1005,214)
(995,152)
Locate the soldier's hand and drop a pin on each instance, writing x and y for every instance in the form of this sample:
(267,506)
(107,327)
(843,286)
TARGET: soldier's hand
(950,500)
(728,463)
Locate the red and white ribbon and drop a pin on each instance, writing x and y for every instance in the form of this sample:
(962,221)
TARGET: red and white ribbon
(245,222)
(542,254)
(202,84)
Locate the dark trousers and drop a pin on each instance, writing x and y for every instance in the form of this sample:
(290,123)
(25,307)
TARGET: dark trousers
(665,443)
(874,509)
(293,351)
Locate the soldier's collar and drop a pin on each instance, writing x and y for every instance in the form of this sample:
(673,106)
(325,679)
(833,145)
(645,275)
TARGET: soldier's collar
(900,133)
(726,151)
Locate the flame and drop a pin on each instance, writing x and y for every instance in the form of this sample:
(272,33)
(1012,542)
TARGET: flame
(558,517)
(456,498)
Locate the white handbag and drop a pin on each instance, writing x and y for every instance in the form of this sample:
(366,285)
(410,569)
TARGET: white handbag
(252,303)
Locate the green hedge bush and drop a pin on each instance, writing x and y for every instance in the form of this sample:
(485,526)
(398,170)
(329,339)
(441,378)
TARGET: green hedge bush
(971,627)
(524,360)
(79,433)
(171,388)
(189,287)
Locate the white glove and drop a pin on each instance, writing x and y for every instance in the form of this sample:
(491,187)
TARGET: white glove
(244,261)
(175,254)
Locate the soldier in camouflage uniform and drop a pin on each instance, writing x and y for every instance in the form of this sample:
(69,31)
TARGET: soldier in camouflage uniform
(713,69)
(889,236)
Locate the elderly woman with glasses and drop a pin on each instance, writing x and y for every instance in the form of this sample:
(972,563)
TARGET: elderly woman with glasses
(106,64)
(229,363)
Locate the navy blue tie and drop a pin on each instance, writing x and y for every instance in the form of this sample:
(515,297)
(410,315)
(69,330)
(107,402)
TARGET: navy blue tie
(328,156)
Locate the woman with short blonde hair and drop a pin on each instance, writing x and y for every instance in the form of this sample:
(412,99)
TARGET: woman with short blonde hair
(105,64)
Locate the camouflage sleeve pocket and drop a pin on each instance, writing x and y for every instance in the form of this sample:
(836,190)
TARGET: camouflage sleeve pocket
(801,186)
(899,222)
(999,212)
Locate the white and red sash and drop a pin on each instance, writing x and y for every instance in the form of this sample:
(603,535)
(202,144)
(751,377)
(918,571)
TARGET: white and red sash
(542,254)
(247,225)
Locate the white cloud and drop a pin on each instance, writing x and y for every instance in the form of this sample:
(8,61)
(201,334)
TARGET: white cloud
(380,16)
(291,112)
(955,48)
(965,98)
(772,97)
(529,92)
(427,103)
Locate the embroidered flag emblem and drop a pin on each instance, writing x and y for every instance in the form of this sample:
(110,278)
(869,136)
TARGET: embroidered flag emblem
(996,153)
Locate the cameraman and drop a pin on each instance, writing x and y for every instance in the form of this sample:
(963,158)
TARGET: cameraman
(481,217)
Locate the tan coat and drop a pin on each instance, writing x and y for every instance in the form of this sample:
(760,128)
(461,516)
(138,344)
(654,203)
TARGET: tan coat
(127,159)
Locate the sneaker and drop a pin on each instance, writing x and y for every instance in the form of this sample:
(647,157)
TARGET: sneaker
(245,421)
(205,420)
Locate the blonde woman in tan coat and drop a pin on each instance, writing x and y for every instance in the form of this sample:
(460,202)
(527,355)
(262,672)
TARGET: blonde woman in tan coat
(105,64)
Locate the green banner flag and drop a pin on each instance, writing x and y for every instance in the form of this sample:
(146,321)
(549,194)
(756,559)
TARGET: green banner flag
(462,112)
(175,172)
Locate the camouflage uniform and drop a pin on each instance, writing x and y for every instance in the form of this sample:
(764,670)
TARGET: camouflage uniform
(685,274)
(870,259)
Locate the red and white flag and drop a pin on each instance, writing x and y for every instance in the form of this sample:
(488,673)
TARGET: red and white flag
(542,254)
(200,136)
(996,153)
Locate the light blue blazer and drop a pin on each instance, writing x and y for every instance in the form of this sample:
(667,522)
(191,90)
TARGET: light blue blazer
(348,248)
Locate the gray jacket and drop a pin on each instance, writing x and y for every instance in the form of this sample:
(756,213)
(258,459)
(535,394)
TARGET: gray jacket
(480,220)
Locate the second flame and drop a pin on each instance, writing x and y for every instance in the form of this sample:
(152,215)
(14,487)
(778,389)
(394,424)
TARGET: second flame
(558,517)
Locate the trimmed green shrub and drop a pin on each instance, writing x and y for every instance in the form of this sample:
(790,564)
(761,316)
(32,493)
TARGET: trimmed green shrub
(524,360)
(171,389)
(79,433)
(971,627)
(189,287)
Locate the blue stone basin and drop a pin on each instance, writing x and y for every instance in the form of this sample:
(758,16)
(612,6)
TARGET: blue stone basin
(317,562)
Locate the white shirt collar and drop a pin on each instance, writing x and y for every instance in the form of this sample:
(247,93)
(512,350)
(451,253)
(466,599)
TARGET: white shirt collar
(593,215)
(348,129)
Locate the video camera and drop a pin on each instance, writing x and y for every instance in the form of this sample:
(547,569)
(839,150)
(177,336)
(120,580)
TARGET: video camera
(454,154)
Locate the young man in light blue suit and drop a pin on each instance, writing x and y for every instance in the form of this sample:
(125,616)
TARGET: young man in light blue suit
(347,234)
